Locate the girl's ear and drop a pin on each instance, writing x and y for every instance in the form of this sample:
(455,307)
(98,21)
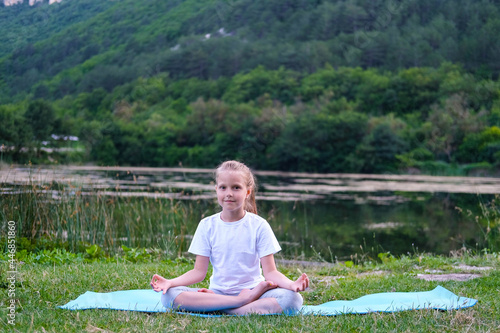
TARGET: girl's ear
(249,191)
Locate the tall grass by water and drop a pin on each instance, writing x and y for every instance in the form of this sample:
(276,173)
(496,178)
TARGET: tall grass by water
(489,222)
(75,216)
(78,214)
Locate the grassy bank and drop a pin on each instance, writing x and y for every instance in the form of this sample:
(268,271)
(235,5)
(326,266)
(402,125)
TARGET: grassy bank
(41,287)
(71,239)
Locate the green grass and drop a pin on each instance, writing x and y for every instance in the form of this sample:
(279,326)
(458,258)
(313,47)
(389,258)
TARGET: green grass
(40,288)
(59,258)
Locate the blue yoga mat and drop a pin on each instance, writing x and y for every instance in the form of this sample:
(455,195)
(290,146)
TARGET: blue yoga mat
(149,301)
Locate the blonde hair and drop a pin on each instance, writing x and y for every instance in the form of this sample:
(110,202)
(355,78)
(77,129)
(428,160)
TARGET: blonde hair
(235,166)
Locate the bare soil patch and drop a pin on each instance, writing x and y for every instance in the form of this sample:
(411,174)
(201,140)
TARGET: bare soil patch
(465,275)
(448,277)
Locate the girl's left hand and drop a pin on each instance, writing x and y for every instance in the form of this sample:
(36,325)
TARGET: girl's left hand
(159,283)
(301,283)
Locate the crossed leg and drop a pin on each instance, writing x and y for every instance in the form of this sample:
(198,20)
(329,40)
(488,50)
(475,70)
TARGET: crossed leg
(246,302)
(260,306)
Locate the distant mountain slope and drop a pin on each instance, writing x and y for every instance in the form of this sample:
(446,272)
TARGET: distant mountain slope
(22,24)
(81,45)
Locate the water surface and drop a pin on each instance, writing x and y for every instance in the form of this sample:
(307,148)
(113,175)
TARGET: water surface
(327,216)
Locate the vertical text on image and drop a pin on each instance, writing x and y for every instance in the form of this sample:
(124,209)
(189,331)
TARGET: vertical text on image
(11,272)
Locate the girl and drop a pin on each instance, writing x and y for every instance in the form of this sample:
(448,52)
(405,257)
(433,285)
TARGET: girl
(237,242)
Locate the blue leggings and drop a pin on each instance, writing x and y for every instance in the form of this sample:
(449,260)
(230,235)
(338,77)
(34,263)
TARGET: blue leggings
(289,301)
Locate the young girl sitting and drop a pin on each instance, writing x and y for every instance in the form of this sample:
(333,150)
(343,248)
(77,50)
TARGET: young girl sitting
(237,242)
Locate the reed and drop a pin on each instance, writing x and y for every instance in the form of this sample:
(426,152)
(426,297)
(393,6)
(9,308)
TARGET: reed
(489,221)
(80,215)
(70,211)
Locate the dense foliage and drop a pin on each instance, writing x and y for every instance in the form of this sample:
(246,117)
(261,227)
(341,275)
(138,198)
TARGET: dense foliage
(326,86)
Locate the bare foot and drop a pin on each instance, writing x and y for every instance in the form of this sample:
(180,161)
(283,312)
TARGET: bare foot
(205,290)
(250,295)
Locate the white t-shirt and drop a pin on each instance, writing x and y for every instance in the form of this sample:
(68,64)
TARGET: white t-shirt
(234,249)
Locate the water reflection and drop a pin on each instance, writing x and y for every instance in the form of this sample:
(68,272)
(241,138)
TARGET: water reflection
(331,216)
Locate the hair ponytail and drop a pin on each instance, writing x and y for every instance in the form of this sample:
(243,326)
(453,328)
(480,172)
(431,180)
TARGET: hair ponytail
(250,204)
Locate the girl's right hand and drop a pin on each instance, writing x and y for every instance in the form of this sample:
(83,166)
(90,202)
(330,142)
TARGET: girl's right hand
(159,283)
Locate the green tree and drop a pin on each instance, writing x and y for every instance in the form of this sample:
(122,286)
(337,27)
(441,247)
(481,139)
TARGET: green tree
(15,136)
(319,143)
(104,152)
(281,85)
(40,117)
(378,152)
(481,147)
(447,126)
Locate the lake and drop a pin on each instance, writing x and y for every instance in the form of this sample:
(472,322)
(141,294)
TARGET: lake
(321,216)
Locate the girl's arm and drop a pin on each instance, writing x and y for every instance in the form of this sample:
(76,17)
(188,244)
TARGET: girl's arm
(272,274)
(197,274)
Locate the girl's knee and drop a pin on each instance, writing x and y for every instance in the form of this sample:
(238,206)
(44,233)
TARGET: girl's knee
(169,297)
(289,301)
(292,303)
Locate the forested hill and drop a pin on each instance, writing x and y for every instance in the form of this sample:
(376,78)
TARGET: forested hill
(79,45)
(329,86)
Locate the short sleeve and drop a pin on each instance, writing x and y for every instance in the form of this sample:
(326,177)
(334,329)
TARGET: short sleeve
(199,243)
(267,243)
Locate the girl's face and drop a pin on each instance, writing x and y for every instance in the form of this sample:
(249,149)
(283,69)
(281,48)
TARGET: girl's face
(231,194)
